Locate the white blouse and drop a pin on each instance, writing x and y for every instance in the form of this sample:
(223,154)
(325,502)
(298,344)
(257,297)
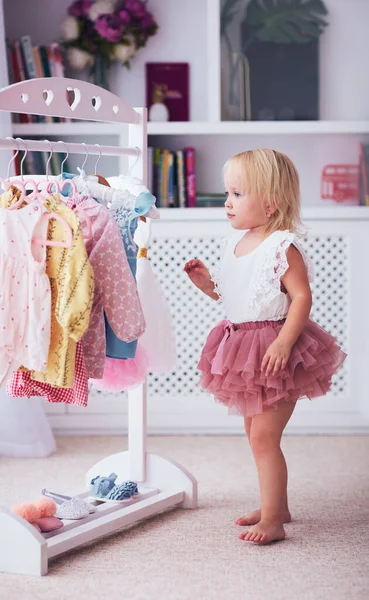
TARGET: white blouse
(250,285)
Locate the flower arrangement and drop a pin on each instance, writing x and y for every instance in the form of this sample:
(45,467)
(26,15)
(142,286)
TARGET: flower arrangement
(96,33)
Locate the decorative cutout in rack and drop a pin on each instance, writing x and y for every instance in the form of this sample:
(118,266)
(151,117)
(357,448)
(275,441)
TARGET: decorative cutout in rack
(67,98)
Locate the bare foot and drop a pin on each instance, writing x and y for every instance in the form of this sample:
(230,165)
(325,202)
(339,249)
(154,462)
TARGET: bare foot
(264,532)
(254,517)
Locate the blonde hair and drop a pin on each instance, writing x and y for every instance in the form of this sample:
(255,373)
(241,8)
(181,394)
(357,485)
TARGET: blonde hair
(273,178)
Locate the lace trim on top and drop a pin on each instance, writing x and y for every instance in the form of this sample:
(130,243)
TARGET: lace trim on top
(215,278)
(267,283)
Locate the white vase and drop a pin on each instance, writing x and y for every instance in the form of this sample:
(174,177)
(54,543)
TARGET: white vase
(158,112)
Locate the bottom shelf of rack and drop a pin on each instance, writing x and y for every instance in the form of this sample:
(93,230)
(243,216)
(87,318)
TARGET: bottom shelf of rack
(164,485)
(26,551)
(109,518)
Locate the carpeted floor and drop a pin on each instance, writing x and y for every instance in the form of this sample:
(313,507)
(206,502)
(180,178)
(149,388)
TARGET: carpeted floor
(196,555)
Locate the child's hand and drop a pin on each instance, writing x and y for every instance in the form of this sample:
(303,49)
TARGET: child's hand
(198,274)
(276,358)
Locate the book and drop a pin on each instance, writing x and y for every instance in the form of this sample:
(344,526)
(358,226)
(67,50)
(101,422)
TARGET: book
(19,56)
(150,169)
(173,79)
(30,68)
(11,77)
(156,168)
(45,61)
(164,180)
(160,178)
(171,199)
(56,60)
(190,176)
(181,180)
(364,170)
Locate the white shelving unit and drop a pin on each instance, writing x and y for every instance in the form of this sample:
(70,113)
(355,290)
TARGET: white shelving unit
(202,128)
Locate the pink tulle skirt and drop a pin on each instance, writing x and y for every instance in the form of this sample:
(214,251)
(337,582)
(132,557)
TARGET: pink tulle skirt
(232,356)
(120,375)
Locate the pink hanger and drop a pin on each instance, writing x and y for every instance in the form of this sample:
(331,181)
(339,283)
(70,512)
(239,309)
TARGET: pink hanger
(18,184)
(37,195)
(68,231)
(61,184)
(81,213)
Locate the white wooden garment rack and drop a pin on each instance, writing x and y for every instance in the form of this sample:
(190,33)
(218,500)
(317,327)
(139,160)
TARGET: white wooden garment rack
(163,484)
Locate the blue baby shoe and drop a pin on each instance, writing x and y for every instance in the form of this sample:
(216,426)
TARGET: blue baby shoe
(101,486)
(132,485)
(123,491)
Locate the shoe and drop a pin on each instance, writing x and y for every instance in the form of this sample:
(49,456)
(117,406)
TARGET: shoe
(101,486)
(123,491)
(70,505)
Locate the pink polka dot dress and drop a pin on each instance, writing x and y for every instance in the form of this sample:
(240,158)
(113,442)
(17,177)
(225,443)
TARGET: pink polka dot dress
(25,297)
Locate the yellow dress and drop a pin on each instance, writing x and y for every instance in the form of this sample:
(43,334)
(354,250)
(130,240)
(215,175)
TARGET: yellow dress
(72,290)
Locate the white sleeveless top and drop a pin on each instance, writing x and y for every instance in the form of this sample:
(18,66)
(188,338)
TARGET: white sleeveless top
(250,285)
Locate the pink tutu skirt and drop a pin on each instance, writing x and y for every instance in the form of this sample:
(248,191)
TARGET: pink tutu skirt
(232,356)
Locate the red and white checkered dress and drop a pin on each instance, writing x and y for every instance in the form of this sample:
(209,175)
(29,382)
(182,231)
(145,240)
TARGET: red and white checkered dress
(20,385)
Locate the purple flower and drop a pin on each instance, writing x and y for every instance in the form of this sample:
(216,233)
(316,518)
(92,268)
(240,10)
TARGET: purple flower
(80,8)
(125,17)
(110,27)
(136,8)
(147,21)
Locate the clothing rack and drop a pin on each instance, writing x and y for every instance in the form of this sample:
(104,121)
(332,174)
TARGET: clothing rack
(163,484)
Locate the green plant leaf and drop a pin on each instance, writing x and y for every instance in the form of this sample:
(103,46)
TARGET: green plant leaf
(286,21)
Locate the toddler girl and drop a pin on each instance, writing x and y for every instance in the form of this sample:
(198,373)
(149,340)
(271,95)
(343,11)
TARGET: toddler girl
(268,353)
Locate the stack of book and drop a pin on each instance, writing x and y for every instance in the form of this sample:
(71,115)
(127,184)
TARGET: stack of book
(30,62)
(172,177)
(364,172)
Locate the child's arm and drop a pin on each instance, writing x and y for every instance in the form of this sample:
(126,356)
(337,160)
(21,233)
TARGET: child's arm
(201,277)
(297,286)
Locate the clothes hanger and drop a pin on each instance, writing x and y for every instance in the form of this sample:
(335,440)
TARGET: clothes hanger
(59,183)
(100,178)
(135,163)
(102,192)
(26,178)
(7,183)
(53,215)
(76,195)
(36,195)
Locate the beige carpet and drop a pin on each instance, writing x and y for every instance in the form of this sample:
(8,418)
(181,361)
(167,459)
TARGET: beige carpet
(196,555)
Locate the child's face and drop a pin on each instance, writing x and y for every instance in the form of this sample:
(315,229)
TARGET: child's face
(243,210)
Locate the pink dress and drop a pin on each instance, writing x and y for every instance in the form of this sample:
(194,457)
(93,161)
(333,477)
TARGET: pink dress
(116,293)
(25,297)
(256,308)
